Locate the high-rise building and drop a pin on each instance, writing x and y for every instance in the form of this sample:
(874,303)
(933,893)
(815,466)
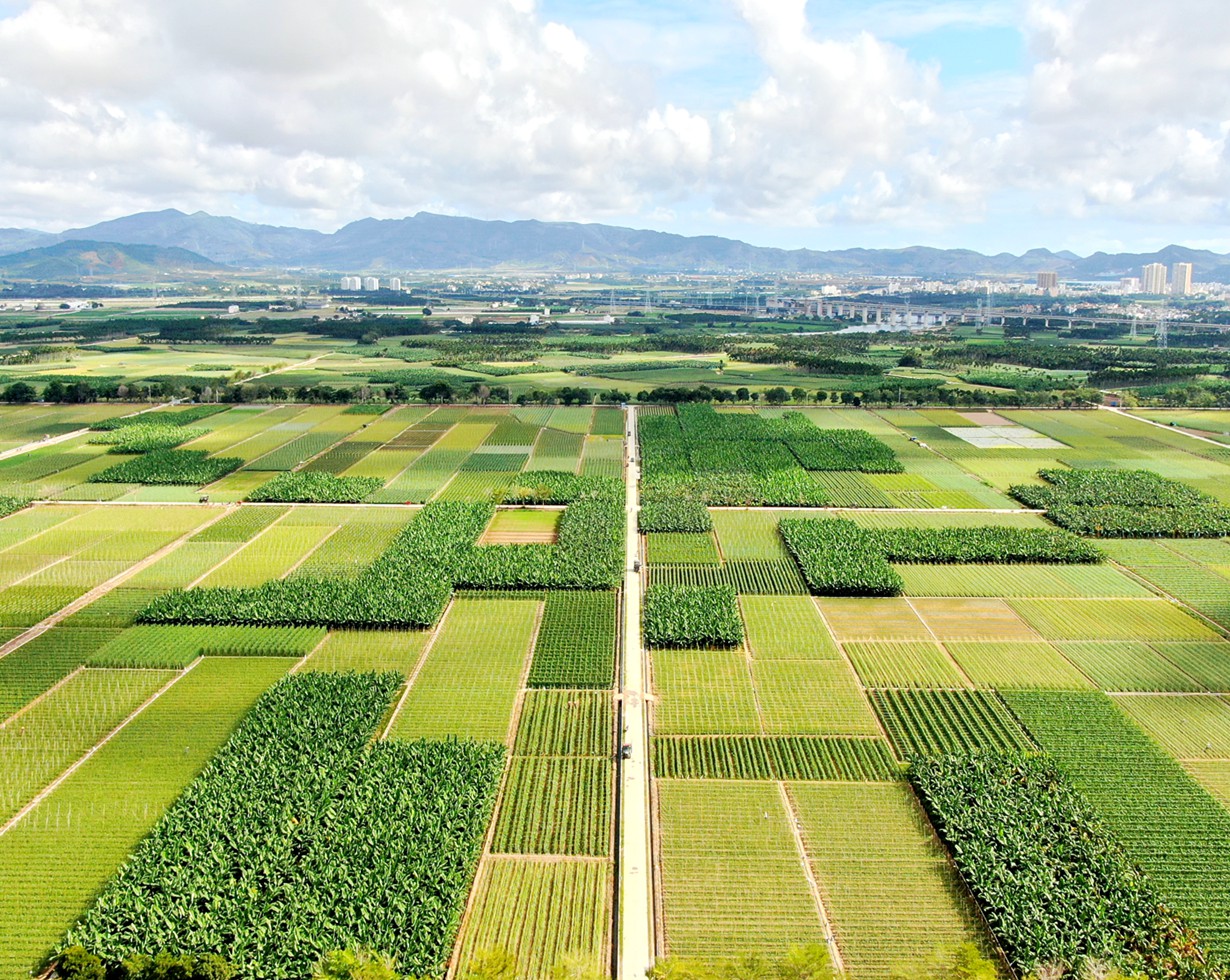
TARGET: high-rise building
(1153,279)
(1180,279)
(371,283)
(1048,280)
(353,283)
(395,284)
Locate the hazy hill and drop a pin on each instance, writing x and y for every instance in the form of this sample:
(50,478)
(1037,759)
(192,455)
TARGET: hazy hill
(433,241)
(78,260)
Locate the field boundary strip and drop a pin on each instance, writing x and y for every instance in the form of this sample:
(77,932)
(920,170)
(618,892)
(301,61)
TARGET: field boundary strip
(113,583)
(51,787)
(813,884)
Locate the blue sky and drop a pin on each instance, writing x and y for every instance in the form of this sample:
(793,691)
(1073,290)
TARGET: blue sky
(996,125)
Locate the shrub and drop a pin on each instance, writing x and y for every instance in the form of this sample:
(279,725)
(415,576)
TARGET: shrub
(315,487)
(162,417)
(665,511)
(557,487)
(146,437)
(186,467)
(1125,504)
(971,545)
(692,615)
(11,505)
(837,557)
(1054,884)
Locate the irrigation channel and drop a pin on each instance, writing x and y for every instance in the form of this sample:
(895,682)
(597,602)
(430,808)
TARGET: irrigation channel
(636,922)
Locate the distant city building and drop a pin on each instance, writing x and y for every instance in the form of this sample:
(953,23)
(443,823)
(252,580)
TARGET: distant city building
(1129,285)
(1153,279)
(371,283)
(395,284)
(352,283)
(1181,279)
(1048,280)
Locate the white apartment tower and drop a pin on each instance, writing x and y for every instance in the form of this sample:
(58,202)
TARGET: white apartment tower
(1153,279)
(1181,279)
(371,283)
(395,284)
(352,283)
(1048,281)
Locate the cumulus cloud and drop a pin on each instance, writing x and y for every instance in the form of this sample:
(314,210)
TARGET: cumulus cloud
(323,112)
(1125,112)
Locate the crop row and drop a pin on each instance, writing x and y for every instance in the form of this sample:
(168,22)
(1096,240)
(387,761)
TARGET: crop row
(551,916)
(925,723)
(186,467)
(372,846)
(178,646)
(184,416)
(315,487)
(1125,504)
(688,616)
(745,577)
(408,585)
(1006,545)
(565,723)
(64,725)
(102,804)
(1054,884)
(146,437)
(342,456)
(576,641)
(240,525)
(837,557)
(559,487)
(293,453)
(555,806)
(1169,825)
(782,757)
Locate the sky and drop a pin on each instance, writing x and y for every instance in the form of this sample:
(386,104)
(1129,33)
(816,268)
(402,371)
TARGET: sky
(997,125)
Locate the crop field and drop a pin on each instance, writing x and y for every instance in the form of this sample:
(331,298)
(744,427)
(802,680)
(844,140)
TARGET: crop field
(544,912)
(732,880)
(885,880)
(417,453)
(89,824)
(788,724)
(462,694)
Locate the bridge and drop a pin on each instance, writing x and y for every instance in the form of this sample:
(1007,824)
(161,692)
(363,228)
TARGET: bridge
(904,316)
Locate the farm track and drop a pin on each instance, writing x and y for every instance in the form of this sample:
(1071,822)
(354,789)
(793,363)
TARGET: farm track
(635,900)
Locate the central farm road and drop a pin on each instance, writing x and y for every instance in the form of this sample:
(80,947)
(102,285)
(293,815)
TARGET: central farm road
(636,922)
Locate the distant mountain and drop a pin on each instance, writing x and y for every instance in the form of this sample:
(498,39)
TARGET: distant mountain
(226,240)
(437,242)
(80,260)
(20,239)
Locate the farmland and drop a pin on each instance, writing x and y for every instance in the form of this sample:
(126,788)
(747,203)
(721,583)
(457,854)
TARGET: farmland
(378,661)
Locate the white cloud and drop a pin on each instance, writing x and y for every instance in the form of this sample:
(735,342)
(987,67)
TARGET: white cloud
(321,112)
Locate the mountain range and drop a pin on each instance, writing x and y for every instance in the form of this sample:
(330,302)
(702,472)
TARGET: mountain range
(203,242)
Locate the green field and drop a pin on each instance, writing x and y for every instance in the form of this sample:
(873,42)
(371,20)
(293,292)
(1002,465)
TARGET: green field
(777,767)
